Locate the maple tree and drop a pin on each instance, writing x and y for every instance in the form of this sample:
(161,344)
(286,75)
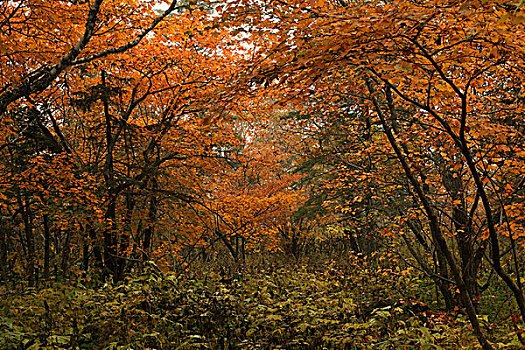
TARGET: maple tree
(118,119)
(123,152)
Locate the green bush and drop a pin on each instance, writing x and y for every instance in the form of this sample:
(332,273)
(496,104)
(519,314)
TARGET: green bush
(350,305)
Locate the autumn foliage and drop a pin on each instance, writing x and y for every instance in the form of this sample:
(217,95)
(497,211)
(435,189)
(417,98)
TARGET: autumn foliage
(133,132)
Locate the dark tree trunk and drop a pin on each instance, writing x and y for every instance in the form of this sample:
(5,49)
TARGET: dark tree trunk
(110,241)
(443,285)
(149,232)
(29,238)
(47,250)
(353,242)
(3,251)
(463,233)
(66,250)
(125,237)
(85,259)
(97,252)
(110,244)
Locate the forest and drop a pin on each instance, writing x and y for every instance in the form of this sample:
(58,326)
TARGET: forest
(262,174)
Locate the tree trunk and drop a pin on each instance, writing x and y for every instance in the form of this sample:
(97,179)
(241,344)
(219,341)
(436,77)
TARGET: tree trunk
(29,238)
(353,242)
(125,237)
(97,252)
(46,246)
(149,232)
(3,251)
(463,232)
(66,250)
(443,285)
(110,244)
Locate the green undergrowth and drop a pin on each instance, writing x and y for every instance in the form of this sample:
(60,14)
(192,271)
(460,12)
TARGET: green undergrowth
(331,305)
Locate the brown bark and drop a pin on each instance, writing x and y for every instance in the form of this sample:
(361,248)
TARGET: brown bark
(25,211)
(463,232)
(47,250)
(3,251)
(97,251)
(66,251)
(125,237)
(149,232)
(353,242)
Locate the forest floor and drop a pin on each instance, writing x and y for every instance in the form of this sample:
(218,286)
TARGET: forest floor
(351,303)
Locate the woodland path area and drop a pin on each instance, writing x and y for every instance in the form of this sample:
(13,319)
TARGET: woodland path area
(262,174)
